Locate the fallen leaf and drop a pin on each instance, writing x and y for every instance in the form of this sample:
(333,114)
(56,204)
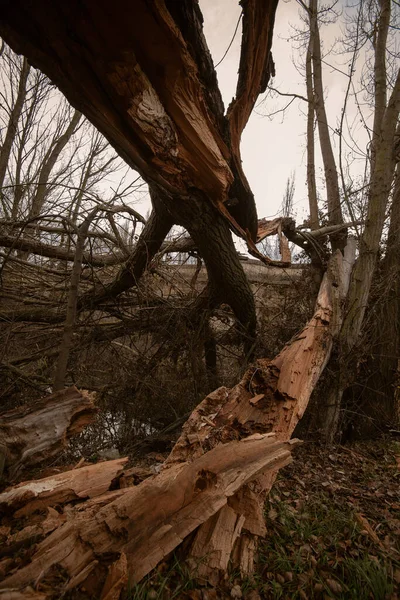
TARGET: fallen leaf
(236,592)
(334,586)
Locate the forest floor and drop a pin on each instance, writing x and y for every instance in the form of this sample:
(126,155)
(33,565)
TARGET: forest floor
(333,520)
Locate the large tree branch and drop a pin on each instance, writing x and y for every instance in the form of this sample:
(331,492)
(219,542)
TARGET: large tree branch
(41,249)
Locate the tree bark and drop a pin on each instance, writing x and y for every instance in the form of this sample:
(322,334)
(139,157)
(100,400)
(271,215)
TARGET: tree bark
(72,303)
(311,183)
(214,482)
(380,184)
(211,234)
(331,177)
(25,435)
(49,163)
(70,486)
(149,243)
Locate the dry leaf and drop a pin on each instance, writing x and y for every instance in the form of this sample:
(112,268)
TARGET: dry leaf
(334,586)
(236,592)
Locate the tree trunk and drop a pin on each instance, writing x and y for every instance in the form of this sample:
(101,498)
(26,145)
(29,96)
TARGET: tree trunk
(49,163)
(72,303)
(380,184)
(331,177)
(13,122)
(382,168)
(70,486)
(382,365)
(311,183)
(227,280)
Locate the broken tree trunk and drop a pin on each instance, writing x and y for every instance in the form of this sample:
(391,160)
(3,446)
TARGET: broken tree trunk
(180,498)
(214,483)
(271,397)
(32,433)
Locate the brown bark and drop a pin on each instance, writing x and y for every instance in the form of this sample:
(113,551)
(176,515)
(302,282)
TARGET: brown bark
(181,498)
(276,227)
(148,101)
(179,95)
(154,106)
(211,234)
(151,103)
(271,397)
(25,435)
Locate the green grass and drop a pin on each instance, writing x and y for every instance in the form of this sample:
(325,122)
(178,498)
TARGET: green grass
(316,552)
(319,552)
(170,584)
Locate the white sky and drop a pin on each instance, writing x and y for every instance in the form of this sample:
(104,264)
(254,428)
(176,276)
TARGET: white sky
(274,148)
(271,149)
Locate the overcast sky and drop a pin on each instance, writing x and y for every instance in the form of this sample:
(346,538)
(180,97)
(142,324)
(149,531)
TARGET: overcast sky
(274,148)
(271,150)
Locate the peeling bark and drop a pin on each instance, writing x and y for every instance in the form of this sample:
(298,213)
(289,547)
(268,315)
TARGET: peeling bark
(151,102)
(26,436)
(214,482)
(271,397)
(160,107)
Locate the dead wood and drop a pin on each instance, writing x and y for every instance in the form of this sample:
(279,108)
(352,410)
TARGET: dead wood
(214,482)
(271,397)
(78,484)
(181,498)
(151,103)
(32,433)
(49,251)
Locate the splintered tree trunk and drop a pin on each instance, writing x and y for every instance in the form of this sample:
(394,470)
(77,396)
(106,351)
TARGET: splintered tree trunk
(160,107)
(214,483)
(271,397)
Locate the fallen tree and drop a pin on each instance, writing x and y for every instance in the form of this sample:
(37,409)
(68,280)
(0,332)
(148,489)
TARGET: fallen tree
(212,485)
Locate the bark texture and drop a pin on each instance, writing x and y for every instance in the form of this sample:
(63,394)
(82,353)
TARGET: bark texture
(77,484)
(13,122)
(26,437)
(331,176)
